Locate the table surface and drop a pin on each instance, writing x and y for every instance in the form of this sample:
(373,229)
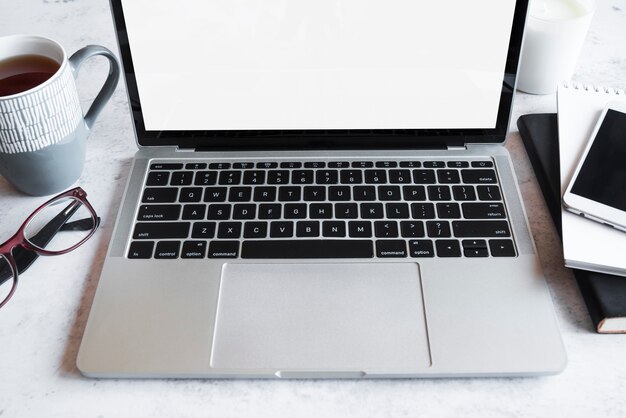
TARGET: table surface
(41,329)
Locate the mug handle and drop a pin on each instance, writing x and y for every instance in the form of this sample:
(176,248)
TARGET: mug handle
(107,89)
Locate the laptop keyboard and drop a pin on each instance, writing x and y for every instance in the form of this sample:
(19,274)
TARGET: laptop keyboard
(322,209)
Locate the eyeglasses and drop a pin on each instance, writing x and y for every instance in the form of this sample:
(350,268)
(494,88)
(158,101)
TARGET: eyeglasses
(70,213)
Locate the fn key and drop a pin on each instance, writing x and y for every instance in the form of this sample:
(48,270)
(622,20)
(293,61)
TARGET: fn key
(141,249)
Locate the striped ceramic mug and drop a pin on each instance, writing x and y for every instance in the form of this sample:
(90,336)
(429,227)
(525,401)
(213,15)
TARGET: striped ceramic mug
(43,130)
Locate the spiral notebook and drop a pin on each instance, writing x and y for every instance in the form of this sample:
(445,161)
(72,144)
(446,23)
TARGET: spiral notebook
(587,245)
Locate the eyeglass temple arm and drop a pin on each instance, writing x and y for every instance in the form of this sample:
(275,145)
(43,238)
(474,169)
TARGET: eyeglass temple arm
(24,258)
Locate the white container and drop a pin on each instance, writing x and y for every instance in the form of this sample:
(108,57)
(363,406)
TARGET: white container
(555,33)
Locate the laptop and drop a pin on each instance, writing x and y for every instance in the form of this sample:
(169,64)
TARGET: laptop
(321,191)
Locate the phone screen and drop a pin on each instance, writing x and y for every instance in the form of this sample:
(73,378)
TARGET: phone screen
(602,177)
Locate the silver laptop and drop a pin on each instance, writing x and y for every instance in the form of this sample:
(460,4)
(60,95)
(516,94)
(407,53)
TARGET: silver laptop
(321,190)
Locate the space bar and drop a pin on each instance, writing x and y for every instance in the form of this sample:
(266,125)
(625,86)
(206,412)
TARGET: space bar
(308,249)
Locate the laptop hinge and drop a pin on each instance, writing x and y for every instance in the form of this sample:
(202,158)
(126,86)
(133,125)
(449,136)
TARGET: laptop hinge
(457,148)
(179,149)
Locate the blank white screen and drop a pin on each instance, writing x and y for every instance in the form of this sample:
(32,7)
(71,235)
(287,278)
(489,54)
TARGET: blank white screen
(318,64)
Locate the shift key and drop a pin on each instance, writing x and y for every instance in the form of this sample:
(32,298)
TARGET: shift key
(161,230)
(481,229)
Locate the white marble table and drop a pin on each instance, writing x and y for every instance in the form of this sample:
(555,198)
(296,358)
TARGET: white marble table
(40,330)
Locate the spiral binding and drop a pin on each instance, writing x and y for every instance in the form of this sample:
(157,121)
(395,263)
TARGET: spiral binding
(597,89)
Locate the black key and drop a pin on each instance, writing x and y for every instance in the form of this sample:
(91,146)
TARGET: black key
(413,193)
(230,177)
(346,210)
(502,248)
(159,195)
(229,230)
(390,248)
(362,164)
(338,164)
(397,210)
(412,229)
(161,230)
(448,248)
(410,164)
(339,193)
(307,249)
(240,194)
(360,229)
(158,178)
(166,166)
(290,164)
(472,244)
(386,229)
(463,193)
(194,212)
(167,249)
(190,194)
(219,166)
(386,164)
(302,177)
(375,176)
(439,193)
(423,176)
(458,164)
(314,193)
(266,164)
(244,211)
(307,229)
(351,176)
(326,176)
(479,176)
(482,164)
(265,194)
(448,176)
(205,178)
(215,194)
(321,211)
(334,228)
(158,213)
(281,229)
(277,177)
(217,211)
(203,230)
(243,165)
(421,248)
(314,164)
(140,249)
(255,230)
(434,164)
(438,229)
(399,176)
(193,249)
(448,210)
(270,211)
(364,193)
(195,166)
(475,252)
(389,193)
(181,178)
(295,211)
(289,193)
(372,210)
(480,229)
(254,177)
(488,193)
(223,249)
(423,210)
(483,210)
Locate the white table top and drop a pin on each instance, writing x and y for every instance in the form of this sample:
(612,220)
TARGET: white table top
(41,328)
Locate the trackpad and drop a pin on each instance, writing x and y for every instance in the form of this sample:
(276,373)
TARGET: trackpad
(343,316)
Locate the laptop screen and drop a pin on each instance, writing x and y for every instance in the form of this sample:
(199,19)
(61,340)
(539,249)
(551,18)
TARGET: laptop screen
(204,65)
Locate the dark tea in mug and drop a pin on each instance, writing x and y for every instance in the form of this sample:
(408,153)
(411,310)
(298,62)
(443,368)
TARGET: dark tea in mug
(23,72)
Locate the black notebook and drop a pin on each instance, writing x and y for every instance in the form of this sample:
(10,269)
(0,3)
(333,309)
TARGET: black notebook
(604,294)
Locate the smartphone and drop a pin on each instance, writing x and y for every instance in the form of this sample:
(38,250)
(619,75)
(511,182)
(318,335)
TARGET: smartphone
(598,187)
